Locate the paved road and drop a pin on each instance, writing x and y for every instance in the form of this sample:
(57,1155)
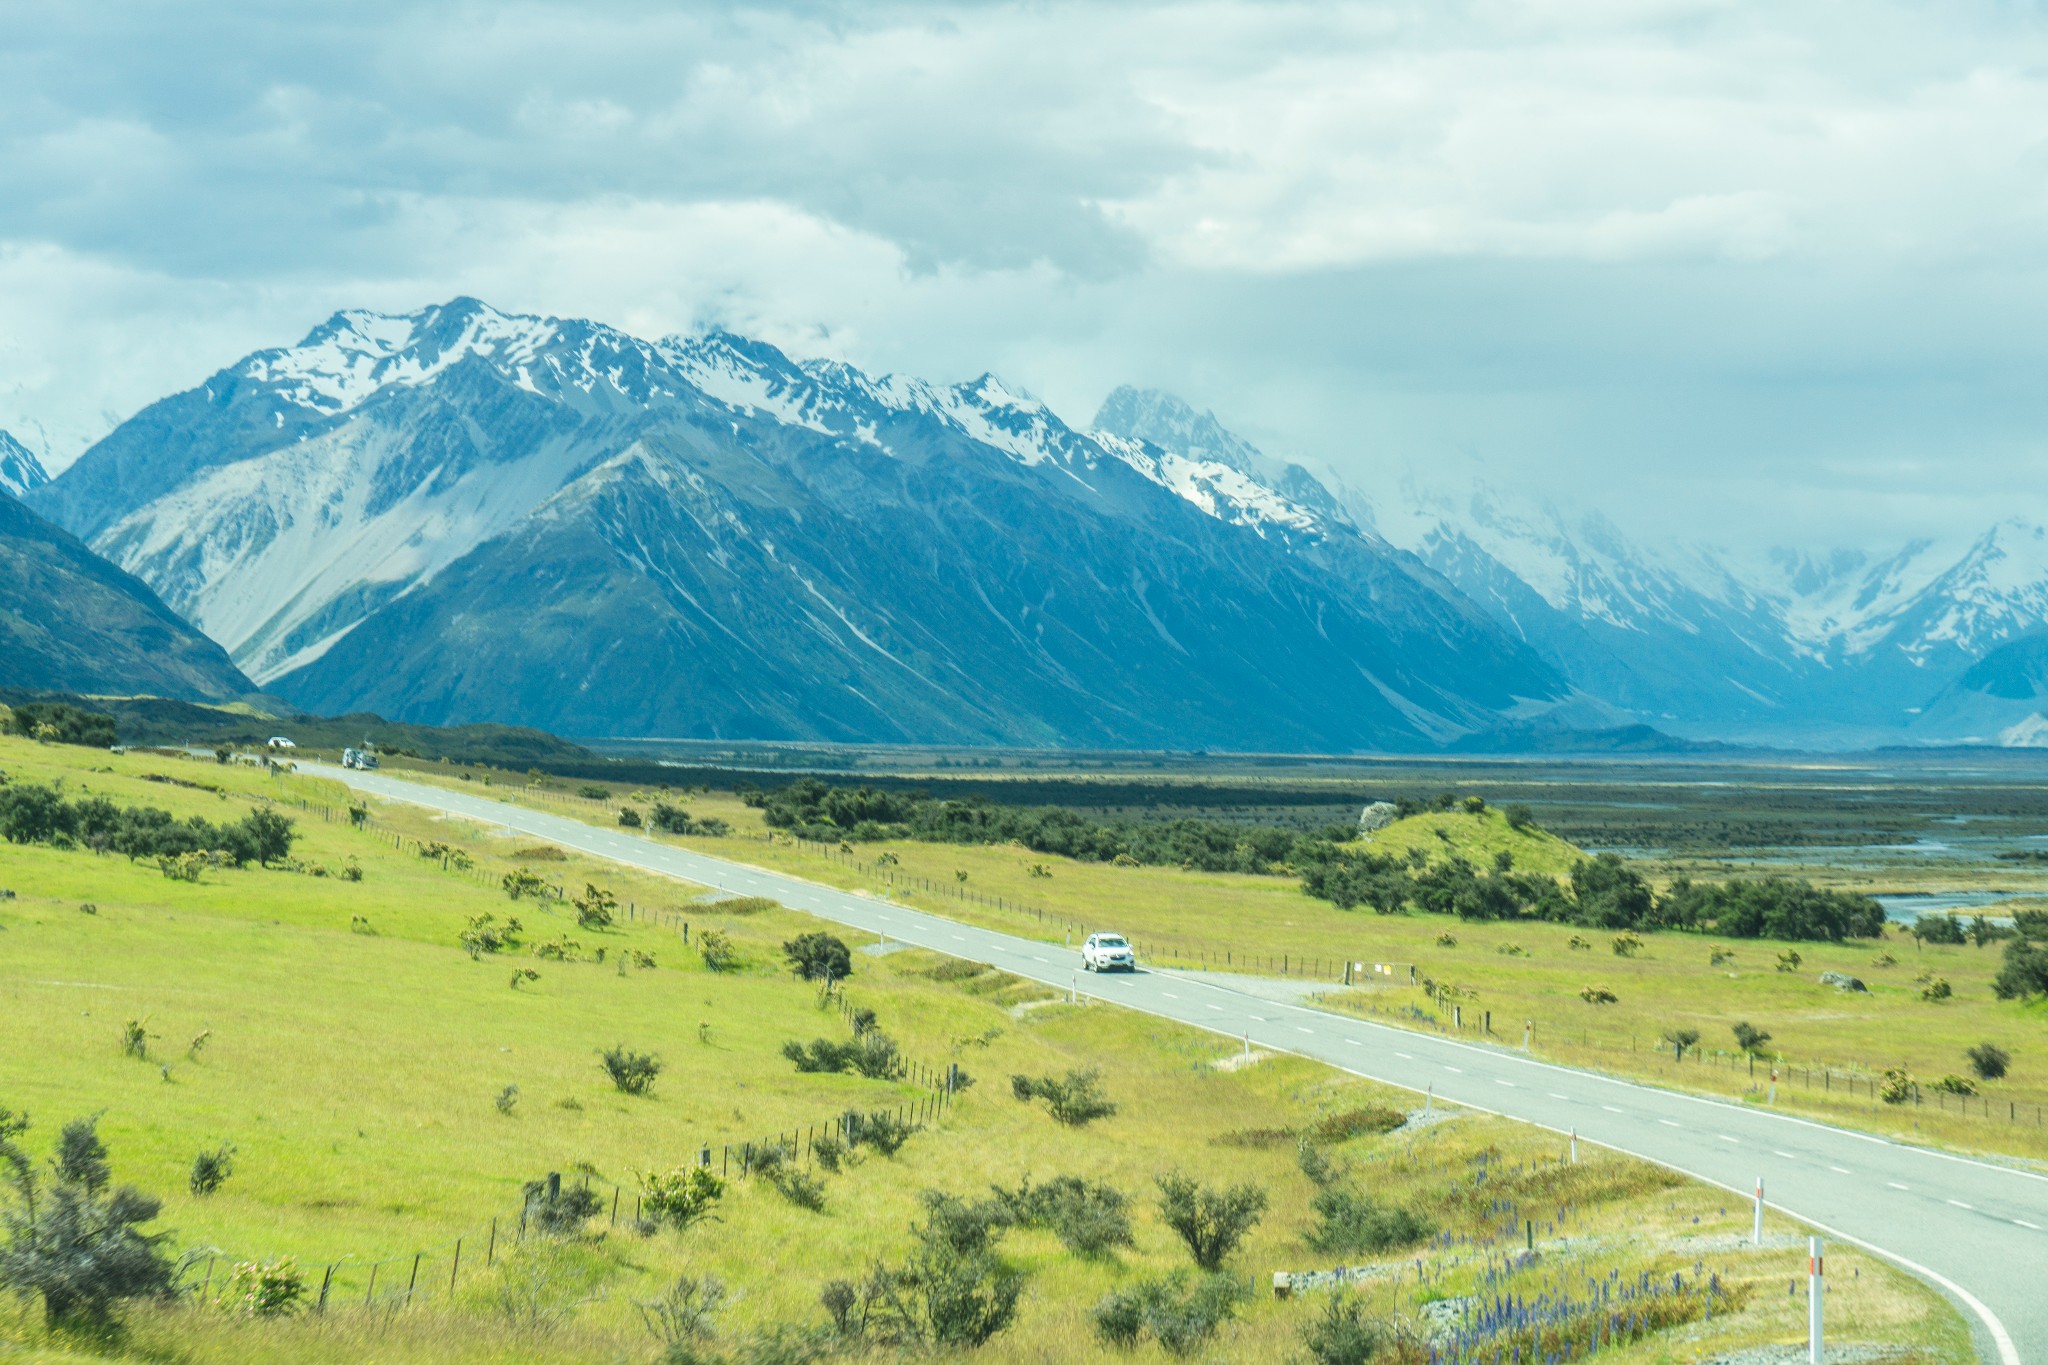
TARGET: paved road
(1979,1231)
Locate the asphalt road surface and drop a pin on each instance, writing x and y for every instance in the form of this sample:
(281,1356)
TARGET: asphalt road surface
(1977,1230)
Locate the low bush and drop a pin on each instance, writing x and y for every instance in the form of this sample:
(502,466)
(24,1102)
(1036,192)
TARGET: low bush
(211,1169)
(76,1242)
(1749,1038)
(1955,1085)
(1897,1087)
(880,1129)
(508,1100)
(632,1073)
(1937,988)
(1317,1164)
(680,1197)
(262,1289)
(1090,1218)
(1209,1221)
(629,818)
(683,1314)
(1180,1311)
(596,908)
(1680,1039)
(1369,1121)
(485,935)
(718,951)
(873,1054)
(519,883)
(560,1210)
(1989,1061)
(1074,1100)
(819,957)
(1351,1222)
(1599,995)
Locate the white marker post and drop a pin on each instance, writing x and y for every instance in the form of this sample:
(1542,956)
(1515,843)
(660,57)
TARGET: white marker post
(1575,1146)
(1816,1287)
(1428,1098)
(1757,1238)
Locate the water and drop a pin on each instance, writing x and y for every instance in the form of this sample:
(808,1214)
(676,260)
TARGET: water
(1904,909)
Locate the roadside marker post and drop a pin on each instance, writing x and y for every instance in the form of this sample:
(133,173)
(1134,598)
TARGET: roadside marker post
(1757,1237)
(1575,1146)
(1816,1288)
(1428,1099)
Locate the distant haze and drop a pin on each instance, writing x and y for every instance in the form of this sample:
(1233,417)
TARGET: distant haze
(1734,273)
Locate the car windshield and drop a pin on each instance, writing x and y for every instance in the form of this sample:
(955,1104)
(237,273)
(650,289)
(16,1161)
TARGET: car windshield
(1109,941)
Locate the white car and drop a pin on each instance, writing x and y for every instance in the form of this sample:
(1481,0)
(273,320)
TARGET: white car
(280,742)
(1108,953)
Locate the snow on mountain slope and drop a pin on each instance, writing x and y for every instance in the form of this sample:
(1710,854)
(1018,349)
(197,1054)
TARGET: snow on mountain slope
(20,470)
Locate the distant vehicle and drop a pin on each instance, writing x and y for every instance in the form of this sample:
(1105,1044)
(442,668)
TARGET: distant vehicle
(1108,953)
(358,758)
(280,742)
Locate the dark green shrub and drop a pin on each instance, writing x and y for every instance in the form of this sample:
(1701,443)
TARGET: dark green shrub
(1939,929)
(1750,1038)
(828,1151)
(1989,1061)
(1074,1099)
(1089,1218)
(818,957)
(596,907)
(717,950)
(562,1212)
(77,1243)
(1680,1039)
(680,1197)
(1316,1163)
(1342,1334)
(629,818)
(684,1313)
(1211,1222)
(631,1072)
(1182,1312)
(1368,1121)
(953,1291)
(2024,973)
(1350,1222)
(880,1129)
(210,1170)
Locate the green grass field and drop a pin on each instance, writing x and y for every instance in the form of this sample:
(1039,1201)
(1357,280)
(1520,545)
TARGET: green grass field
(1829,1044)
(354,1052)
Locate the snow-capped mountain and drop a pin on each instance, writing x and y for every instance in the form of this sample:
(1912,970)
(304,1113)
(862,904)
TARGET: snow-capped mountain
(20,470)
(464,514)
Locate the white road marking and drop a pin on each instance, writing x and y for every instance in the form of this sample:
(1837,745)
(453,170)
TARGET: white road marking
(1725,1138)
(1455,1070)
(1404,1056)
(1554,1095)
(1169,995)
(1299,1029)
(1787,1155)
(1895,1184)
(1668,1123)
(1841,1170)
(1961,1205)
(1611,1109)
(2025,1224)
(1509,1084)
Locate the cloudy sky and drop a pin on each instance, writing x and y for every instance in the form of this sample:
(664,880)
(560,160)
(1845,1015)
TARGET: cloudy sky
(1743,271)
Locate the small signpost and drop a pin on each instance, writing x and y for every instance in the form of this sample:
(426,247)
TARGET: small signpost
(1816,1288)
(1757,1237)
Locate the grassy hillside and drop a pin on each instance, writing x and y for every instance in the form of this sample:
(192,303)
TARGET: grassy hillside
(353,1054)
(1831,1044)
(1478,837)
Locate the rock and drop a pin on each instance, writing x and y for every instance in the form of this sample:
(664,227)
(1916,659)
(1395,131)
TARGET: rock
(1376,816)
(1842,981)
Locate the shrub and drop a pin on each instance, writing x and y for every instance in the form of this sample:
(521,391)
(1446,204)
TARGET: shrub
(1180,1311)
(1349,1221)
(680,1197)
(1074,1099)
(629,818)
(1599,995)
(818,957)
(560,1210)
(1680,1039)
(1945,929)
(135,1036)
(1447,939)
(683,1313)
(1789,960)
(521,975)
(1579,945)
(508,1100)
(594,793)
(1089,1218)
(519,883)
(595,907)
(262,1289)
(485,935)
(1342,1334)
(718,951)
(1626,945)
(1211,1222)
(873,1054)
(560,948)
(1897,1087)
(210,1170)
(1937,988)
(1344,1125)
(880,1129)
(1520,818)
(777,1166)
(77,1244)
(1989,1061)
(1956,1085)
(828,1151)
(1750,1038)
(1316,1164)
(2024,973)
(632,1073)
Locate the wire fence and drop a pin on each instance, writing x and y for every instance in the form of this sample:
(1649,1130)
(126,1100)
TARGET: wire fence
(1366,972)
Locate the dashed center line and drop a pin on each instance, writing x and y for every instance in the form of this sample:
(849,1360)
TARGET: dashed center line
(1404,1056)
(1169,995)
(1611,1109)
(1841,1170)
(2025,1224)
(1961,1205)
(1457,1070)
(1299,1029)
(1509,1084)
(1787,1155)
(1895,1184)
(1554,1095)
(1670,1123)
(1725,1138)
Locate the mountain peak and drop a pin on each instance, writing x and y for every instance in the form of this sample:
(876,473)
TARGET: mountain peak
(356,352)
(20,470)
(1172,424)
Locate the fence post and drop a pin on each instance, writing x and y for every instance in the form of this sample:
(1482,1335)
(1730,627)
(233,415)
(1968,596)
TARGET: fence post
(326,1283)
(371,1293)
(409,1284)
(455,1267)
(1816,1286)
(491,1252)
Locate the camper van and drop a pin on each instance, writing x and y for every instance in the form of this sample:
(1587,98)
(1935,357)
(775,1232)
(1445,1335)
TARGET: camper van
(358,758)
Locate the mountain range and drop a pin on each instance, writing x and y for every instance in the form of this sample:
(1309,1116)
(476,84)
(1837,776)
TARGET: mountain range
(465,515)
